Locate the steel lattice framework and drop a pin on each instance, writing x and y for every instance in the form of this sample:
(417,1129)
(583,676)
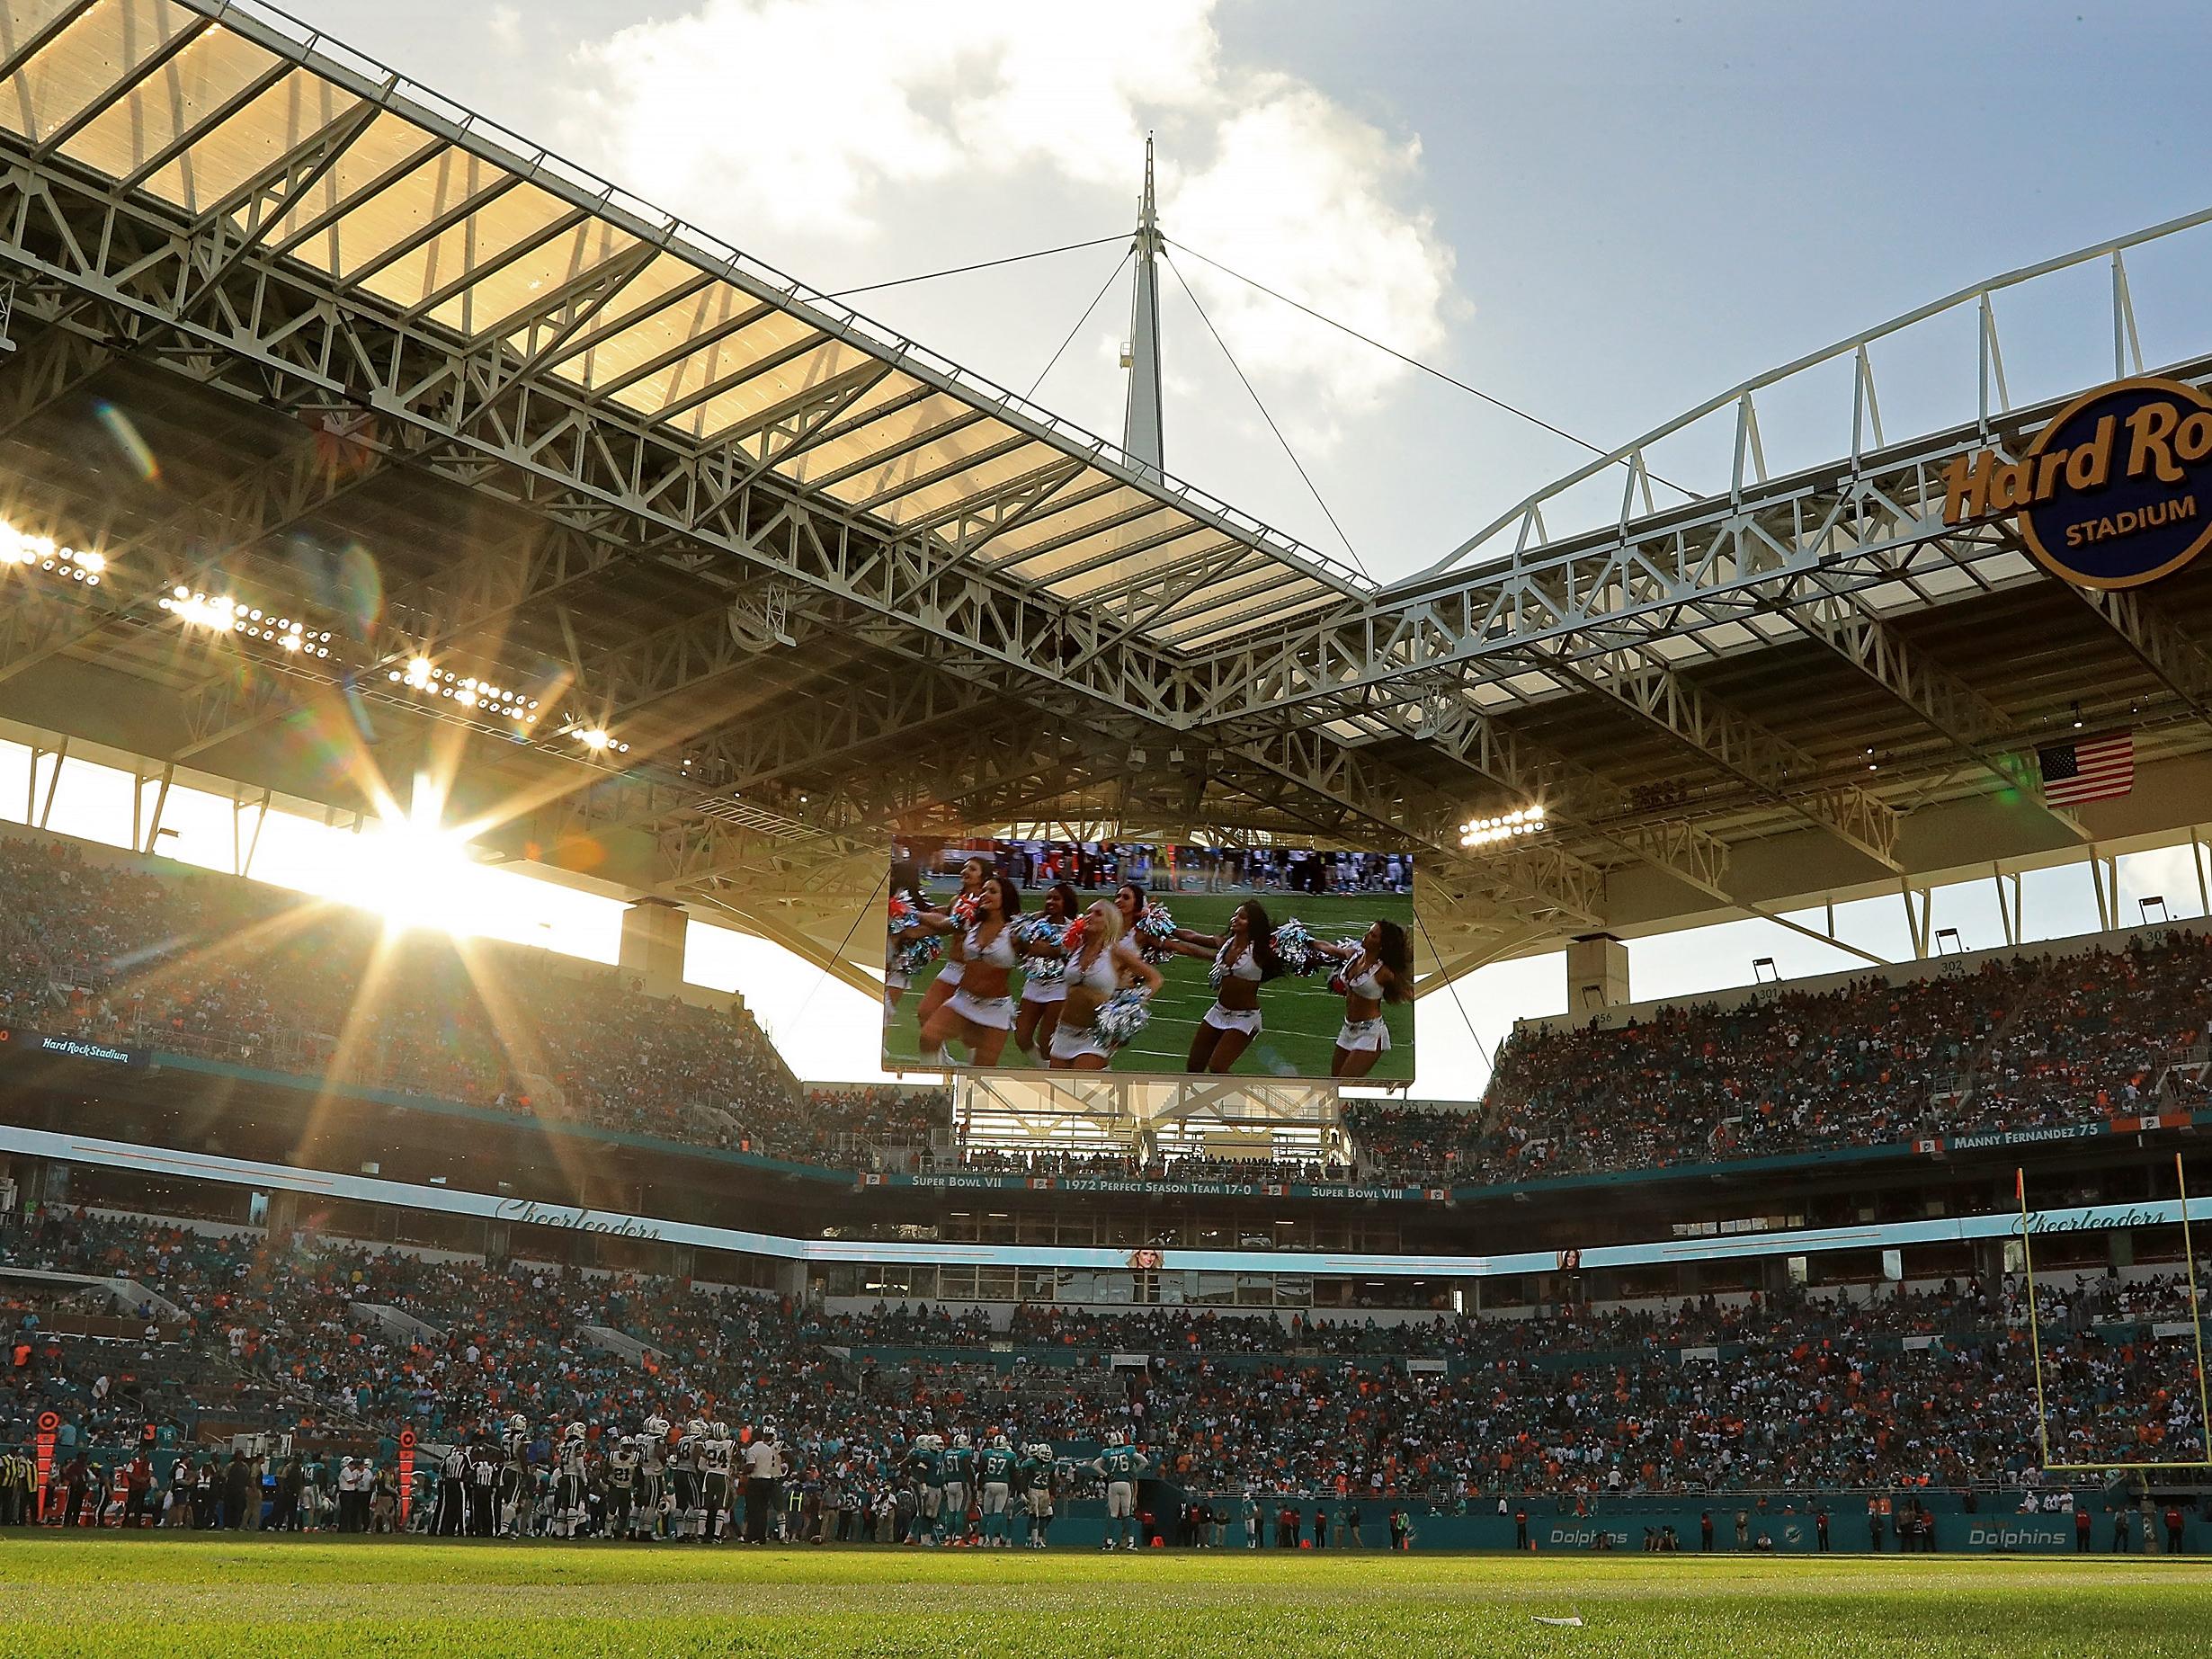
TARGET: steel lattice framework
(827,584)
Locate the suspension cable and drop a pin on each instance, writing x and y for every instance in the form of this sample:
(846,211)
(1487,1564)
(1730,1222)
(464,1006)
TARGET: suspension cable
(1427,368)
(1270,419)
(987,264)
(1112,278)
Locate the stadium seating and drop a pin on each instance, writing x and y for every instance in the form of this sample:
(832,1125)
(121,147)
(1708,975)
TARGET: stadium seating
(2017,1043)
(133,952)
(1794,1393)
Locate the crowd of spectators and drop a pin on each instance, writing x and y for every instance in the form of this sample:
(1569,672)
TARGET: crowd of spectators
(131,952)
(1159,1166)
(1791,1392)
(2017,1043)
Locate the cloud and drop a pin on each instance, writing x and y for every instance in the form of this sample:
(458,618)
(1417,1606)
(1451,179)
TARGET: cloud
(812,124)
(2165,872)
(1301,194)
(506,23)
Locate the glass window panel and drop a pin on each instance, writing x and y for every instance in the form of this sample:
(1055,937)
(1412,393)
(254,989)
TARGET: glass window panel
(1069,513)
(949,448)
(1060,570)
(654,334)
(719,358)
(898,428)
(972,485)
(741,405)
(646,296)
(1284,609)
(389,218)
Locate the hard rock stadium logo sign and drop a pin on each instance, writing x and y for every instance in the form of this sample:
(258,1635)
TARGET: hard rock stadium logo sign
(2115,492)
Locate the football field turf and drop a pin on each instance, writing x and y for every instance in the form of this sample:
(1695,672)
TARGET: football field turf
(119,1597)
(1300,1016)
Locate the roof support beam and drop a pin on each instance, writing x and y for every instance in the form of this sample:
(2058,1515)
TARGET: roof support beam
(2181,663)
(1947,704)
(1545,877)
(194,541)
(1642,682)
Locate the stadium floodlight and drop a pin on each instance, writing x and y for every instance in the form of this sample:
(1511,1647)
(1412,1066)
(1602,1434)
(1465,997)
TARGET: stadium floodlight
(1485,832)
(218,614)
(42,554)
(599,741)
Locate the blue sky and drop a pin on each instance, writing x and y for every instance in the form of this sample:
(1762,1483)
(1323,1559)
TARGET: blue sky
(1604,213)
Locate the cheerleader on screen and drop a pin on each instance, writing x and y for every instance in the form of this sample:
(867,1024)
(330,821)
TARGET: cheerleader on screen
(954,923)
(1245,959)
(981,1011)
(1044,967)
(1379,969)
(1100,960)
(910,942)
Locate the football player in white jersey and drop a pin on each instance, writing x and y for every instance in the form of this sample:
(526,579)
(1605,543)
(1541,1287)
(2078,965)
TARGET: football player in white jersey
(514,1478)
(622,1464)
(716,1454)
(644,1518)
(569,1483)
(651,1476)
(691,1499)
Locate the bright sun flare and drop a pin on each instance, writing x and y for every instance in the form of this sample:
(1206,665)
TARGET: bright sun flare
(414,870)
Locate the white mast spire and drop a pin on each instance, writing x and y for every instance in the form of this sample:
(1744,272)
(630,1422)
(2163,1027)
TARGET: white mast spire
(1140,429)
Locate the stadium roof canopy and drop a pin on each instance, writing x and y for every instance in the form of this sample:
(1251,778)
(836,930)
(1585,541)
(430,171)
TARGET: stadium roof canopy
(543,461)
(444,221)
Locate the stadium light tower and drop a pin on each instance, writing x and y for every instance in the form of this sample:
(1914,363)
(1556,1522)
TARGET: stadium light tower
(1140,427)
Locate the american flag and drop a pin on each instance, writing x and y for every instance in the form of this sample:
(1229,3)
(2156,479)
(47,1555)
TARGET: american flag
(2095,769)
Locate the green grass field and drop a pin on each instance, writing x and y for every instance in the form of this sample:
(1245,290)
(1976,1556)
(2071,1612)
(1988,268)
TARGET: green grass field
(1301,1015)
(209,1595)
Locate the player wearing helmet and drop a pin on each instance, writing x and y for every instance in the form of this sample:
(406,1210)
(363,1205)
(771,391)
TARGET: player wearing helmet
(569,1483)
(718,1455)
(1035,1471)
(997,1475)
(1120,1464)
(621,1485)
(926,1468)
(513,1518)
(684,1476)
(652,1477)
(959,1468)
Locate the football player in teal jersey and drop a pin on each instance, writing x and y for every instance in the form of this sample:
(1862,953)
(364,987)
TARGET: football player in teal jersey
(958,1462)
(926,1468)
(1034,1472)
(996,1478)
(1120,1464)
